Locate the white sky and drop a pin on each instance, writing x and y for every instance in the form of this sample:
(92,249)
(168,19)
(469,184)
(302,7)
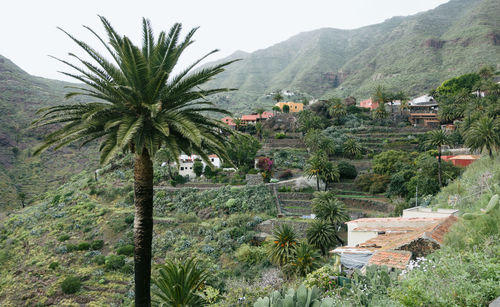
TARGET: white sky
(28,31)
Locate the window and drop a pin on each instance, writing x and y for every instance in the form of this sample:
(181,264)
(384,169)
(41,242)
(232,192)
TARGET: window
(182,168)
(191,167)
(212,159)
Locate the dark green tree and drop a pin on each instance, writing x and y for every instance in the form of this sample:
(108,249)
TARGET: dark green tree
(139,105)
(321,234)
(243,150)
(198,168)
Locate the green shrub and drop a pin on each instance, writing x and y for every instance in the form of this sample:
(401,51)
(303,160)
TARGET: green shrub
(83,246)
(127,250)
(114,262)
(129,219)
(253,171)
(71,284)
(371,182)
(71,247)
(279,136)
(286,174)
(251,254)
(100,259)
(97,244)
(325,278)
(4,256)
(63,238)
(347,170)
(54,265)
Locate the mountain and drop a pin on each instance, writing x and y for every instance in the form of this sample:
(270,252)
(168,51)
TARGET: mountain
(413,54)
(21,95)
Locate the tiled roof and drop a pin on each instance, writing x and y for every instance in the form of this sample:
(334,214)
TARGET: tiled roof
(391,258)
(465,157)
(251,117)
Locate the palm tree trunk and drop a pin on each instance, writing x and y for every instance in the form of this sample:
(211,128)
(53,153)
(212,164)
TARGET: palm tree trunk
(143,227)
(439,167)
(317,182)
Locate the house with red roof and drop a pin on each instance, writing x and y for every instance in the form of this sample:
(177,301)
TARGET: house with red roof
(392,242)
(369,104)
(248,118)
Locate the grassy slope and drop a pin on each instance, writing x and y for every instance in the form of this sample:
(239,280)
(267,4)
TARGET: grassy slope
(87,211)
(395,53)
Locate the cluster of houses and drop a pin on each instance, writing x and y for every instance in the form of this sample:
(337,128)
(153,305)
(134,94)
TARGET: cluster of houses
(294,107)
(395,241)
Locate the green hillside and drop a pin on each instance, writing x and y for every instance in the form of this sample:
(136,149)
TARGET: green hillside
(403,53)
(21,95)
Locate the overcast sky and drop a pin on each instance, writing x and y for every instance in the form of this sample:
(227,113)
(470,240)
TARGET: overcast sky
(28,28)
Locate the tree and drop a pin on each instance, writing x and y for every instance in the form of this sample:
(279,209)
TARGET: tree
(266,168)
(198,167)
(306,259)
(337,110)
(352,149)
(260,111)
(243,150)
(22,197)
(276,109)
(315,165)
(321,235)
(178,283)
(328,208)
(237,122)
(286,108)
(258,130)
(318,142)
(140,106)
(438,138)
(284,243)
(330,173)
(484,134)
(165,155)
(277,96)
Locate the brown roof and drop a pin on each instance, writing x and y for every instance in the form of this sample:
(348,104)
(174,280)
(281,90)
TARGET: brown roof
(391,258)
(434,231)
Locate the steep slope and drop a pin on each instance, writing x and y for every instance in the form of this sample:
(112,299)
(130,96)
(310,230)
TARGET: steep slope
(405,53)
(21,95)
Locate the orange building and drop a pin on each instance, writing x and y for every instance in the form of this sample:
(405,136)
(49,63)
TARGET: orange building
(368,104)
(294,106)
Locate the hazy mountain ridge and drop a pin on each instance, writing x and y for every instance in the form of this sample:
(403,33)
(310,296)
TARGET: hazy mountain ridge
(413,53)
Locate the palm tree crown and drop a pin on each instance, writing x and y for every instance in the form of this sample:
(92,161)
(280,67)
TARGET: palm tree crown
(484,134)
(138,104)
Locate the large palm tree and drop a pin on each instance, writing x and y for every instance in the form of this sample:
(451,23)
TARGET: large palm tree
(139,106)
(438,138)
(315,165)
(321,234)
(484,134)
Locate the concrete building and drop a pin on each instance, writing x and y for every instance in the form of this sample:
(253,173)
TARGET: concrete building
(186,163)
(294,106)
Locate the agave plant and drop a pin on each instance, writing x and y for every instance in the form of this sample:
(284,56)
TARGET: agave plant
(321,235)
(178,284)
(282,250)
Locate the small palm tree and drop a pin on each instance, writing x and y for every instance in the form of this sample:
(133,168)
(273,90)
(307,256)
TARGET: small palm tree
(352,149)
(321,235)
(328,208)
(284,244)
(277,96)
(337,110)
(315,165)
(330,173)
(438,138)
(237,122)
(484,134)
(258,130)
(306,259)
(178,283)
(140,106)
(260,111)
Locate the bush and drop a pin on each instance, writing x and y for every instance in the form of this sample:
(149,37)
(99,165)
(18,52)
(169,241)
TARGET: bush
(127,250)
(251,254)
(100,259)
(325,278)
(71,285)
(279,136)
(373,183)
(97,244)
(83,246)
(63,238)
(347,170)
(286,174)
(71,247)
(114,262)
(129,219)
(54,265)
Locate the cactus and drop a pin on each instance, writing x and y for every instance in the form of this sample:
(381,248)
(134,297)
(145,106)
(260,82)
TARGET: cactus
(492,205)
(302,297)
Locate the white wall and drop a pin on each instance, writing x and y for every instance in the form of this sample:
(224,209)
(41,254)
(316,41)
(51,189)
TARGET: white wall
(357,237)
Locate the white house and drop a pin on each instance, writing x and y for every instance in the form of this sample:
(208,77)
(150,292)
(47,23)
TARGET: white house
(186,163)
